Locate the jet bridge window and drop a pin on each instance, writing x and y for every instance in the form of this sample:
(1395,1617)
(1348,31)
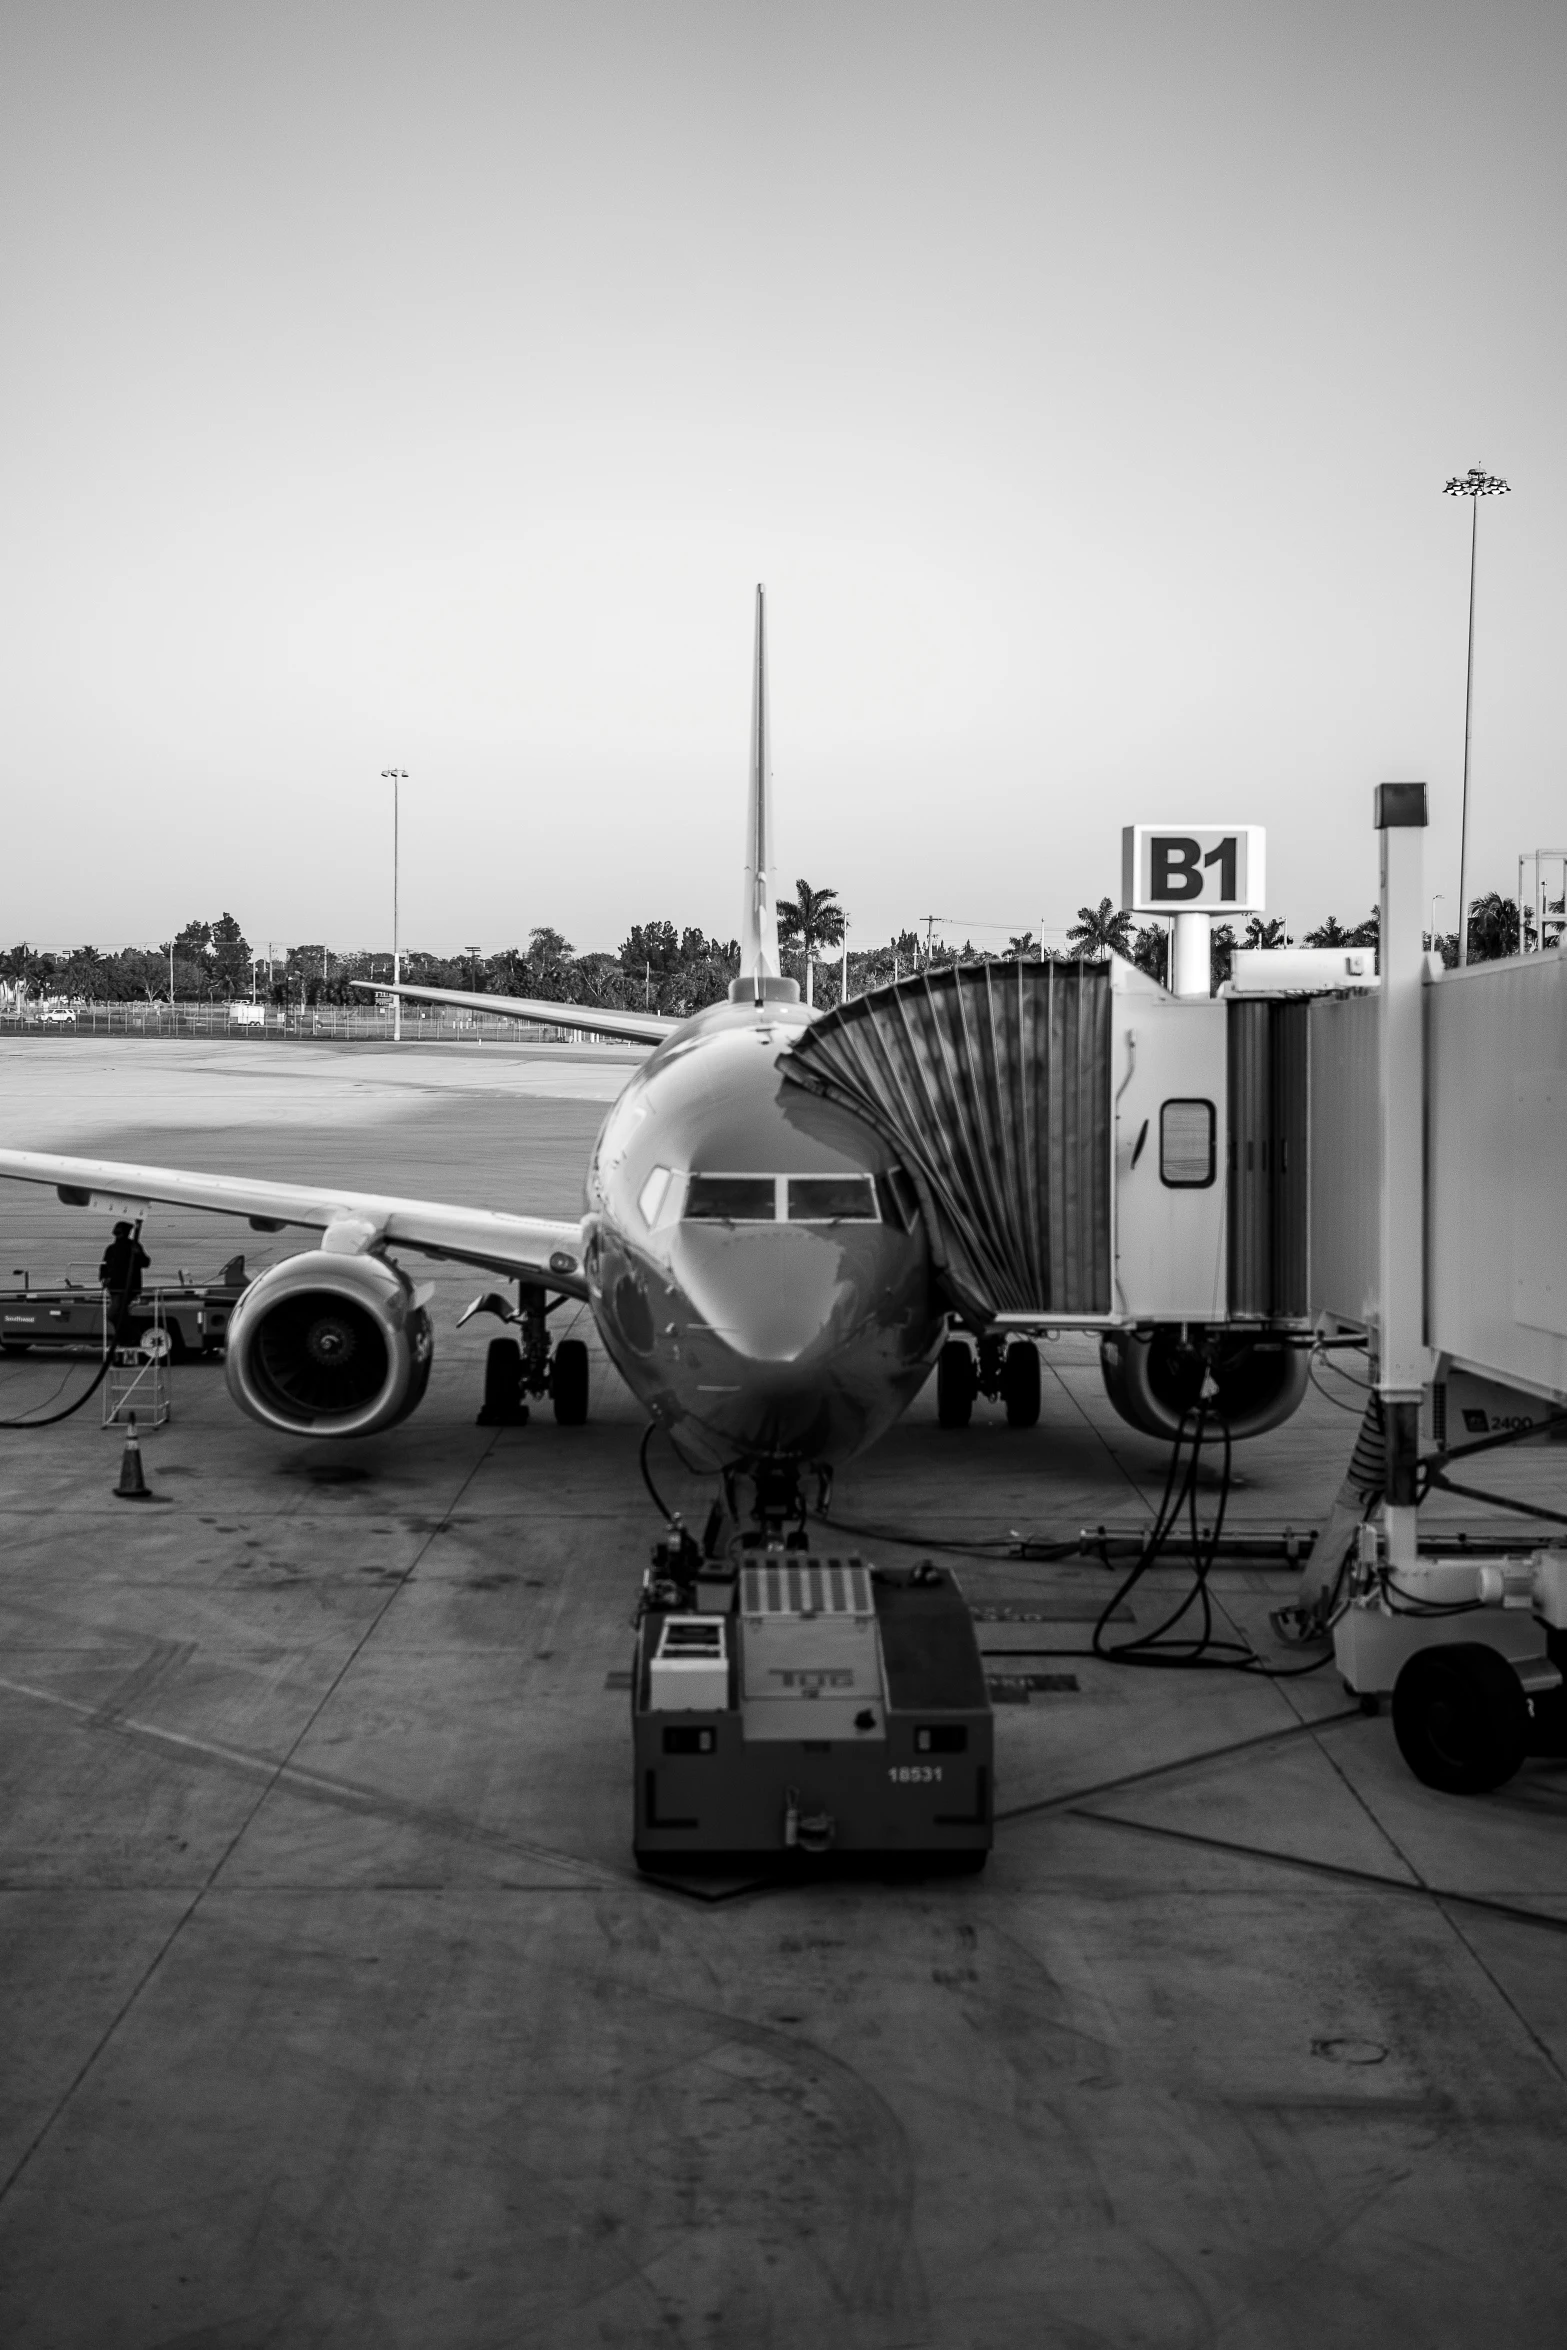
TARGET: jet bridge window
(732,1199)
(1186,1145)
(832,1199)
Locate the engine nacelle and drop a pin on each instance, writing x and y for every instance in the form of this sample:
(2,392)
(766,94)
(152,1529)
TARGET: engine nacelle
(329,1345)
(1155,1377)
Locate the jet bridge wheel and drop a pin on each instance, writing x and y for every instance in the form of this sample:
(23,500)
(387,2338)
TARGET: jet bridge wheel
(1020,1383)
(957,1383)
(1461,1718)
(569,1382)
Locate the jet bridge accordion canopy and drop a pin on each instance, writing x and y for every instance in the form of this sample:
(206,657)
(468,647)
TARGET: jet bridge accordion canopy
(991,1081)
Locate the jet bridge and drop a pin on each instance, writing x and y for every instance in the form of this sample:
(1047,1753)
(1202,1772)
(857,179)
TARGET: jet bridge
(1090,1151)
(993,1083)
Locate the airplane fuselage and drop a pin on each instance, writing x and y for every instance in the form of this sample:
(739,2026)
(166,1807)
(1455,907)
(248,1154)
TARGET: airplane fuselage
(755,1266)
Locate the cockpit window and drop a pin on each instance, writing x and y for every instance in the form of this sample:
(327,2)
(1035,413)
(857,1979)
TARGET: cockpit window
(651,1198)
(831,1199)
(731,1199)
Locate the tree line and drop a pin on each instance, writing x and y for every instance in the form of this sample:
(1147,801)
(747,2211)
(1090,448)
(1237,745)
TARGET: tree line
(661,966)
(1497,927)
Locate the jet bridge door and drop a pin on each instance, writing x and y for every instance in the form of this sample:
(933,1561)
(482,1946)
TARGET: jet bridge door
(992,1083)
(1171,1148)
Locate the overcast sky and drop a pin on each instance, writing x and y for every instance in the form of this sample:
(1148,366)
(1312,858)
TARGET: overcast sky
(429,385)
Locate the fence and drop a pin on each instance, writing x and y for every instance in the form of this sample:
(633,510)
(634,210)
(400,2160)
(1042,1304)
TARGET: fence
(339,1022)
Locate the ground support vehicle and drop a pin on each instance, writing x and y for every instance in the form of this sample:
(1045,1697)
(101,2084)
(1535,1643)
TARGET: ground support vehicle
(195,1314)
(796,1709)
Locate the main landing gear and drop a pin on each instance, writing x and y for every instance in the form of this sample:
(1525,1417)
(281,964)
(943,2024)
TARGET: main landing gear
(515,1368)
(995,1368)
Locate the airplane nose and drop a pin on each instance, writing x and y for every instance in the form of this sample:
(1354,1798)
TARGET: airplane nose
(772,1296)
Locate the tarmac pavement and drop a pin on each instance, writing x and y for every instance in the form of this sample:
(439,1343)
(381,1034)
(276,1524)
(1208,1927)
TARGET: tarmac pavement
(337,2014)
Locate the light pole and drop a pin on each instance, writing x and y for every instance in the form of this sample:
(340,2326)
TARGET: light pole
(1473,485)
(1438,898)
(395,776)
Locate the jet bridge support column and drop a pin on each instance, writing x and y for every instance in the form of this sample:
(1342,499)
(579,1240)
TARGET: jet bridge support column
(1401,1351)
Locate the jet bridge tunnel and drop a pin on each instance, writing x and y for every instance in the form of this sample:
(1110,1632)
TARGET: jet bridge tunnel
(1091,1152)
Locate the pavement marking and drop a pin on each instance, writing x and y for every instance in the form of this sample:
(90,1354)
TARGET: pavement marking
(1415,1887)
(297,1779)
(1182,1762)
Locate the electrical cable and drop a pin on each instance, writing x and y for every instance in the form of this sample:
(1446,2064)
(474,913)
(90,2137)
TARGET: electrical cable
(1002,1548)
(655,1496)
(1363,1386)
(1416,1605)
(1201,1651)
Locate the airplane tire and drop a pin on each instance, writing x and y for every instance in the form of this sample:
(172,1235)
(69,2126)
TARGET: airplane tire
(1461,1718)
(955,1385)
(503,1405)
(569,1382)
(1020,1383)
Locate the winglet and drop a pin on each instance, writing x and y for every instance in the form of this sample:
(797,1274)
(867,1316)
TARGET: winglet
(760,979)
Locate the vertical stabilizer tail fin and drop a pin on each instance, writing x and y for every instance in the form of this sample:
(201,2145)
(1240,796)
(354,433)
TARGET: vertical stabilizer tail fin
(760,976)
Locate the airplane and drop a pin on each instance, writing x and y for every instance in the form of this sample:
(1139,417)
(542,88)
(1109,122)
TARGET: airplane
(753,1255)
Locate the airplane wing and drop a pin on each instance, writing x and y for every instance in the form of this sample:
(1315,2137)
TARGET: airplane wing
(630,1027)
(526,1246)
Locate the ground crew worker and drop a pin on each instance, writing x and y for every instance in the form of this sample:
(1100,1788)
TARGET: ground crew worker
(123,1261)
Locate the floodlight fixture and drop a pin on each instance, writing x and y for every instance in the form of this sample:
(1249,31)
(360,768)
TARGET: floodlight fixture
(395,776)
(1473,485)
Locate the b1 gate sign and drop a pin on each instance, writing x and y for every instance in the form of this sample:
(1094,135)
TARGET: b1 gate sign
(1194,868)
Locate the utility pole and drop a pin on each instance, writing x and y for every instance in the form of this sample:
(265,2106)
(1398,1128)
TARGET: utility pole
(1473,485)
(395,776)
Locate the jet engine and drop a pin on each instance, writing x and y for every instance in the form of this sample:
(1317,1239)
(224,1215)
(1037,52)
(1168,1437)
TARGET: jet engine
(1155,1377)
(330,1345)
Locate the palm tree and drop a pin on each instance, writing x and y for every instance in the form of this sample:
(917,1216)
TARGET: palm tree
(1101,930)
(815,918)
(1260,933)
(1493,927)
(1021,947)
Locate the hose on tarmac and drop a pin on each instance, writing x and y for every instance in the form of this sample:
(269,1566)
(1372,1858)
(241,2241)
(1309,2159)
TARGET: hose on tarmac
(120,1308)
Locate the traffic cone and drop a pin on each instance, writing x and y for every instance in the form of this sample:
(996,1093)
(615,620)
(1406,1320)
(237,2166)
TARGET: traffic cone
(133,1482)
